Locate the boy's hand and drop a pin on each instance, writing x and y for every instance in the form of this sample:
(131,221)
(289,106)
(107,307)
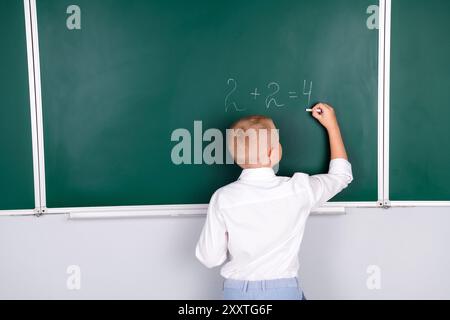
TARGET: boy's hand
(325,115)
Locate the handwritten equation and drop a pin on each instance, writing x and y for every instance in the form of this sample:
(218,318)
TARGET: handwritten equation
(272,96)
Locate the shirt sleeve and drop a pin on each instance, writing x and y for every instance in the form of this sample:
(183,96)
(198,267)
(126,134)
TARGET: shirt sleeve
(326,186)
(212,246)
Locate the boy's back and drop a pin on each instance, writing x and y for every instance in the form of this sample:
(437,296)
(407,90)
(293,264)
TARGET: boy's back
(264,216)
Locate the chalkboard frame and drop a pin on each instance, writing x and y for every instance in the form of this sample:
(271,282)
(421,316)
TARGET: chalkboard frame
(164,210)
(386,171)
(384,118)
(31,60)
(200,209)
(32,39)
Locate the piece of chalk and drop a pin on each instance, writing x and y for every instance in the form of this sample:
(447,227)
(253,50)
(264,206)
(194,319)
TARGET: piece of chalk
(312,110)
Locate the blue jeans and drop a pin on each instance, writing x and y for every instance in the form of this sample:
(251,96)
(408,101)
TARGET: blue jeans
(278,289)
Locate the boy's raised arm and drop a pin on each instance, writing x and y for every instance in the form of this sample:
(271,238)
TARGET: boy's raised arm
(326,186)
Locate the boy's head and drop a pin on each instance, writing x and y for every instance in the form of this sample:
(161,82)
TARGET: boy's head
(254,143)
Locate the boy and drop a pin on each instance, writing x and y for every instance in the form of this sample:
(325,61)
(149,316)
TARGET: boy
(260,219)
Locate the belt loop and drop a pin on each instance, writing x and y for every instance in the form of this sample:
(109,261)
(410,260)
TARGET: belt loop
(245,286)
(264,285)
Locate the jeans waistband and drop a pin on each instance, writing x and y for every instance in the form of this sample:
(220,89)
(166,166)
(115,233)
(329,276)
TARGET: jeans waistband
(261,284)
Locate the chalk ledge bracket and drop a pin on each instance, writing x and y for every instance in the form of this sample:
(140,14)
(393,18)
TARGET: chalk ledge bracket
(39,212)
(386,204)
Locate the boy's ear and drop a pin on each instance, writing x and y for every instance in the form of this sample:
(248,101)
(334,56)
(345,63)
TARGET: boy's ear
(276,153)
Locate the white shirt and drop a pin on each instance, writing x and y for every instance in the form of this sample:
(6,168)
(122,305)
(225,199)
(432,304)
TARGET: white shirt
(260,220)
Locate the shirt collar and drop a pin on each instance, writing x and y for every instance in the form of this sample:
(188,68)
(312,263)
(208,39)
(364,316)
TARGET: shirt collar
(257,174)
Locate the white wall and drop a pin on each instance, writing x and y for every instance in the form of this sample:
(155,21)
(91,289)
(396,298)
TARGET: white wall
(154,258)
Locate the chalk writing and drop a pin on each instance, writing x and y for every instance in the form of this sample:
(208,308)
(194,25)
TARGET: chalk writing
(228,101)
(274,96)
(307,93)
(271,100)
(255,93)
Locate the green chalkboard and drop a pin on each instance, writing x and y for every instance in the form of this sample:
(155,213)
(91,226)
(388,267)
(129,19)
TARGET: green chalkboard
(420,95)
(16,160)
(115,90)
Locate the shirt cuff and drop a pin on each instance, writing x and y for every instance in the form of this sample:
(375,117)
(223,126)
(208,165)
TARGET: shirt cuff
(340,166)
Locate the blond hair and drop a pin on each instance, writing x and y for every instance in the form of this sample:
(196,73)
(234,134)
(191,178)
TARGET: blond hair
(254,142)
